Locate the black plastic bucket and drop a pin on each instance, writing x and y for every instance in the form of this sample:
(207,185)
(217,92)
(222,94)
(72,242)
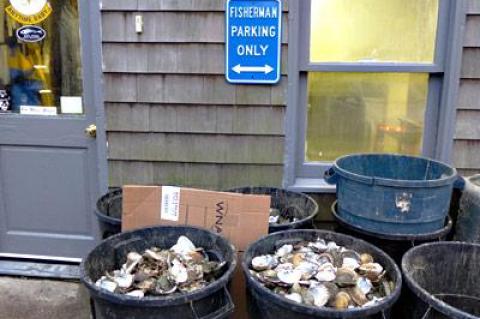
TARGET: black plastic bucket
(300,205)
(444,280)
(264,304)
(211,302)
(109,213)
(395,245)
(389,193)
(468,220)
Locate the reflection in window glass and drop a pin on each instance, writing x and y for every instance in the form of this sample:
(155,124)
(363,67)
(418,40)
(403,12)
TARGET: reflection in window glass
(364,112)
(46,72)
(373,30)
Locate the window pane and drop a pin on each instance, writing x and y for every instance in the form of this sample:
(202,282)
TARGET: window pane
(373,30)
(45,75)
(364,112)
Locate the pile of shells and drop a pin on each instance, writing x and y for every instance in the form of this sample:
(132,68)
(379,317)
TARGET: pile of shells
(181,269)
(285,216)
(322,274)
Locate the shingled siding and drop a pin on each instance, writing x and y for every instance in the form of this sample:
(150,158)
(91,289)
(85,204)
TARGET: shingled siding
(467,133)
(171,116)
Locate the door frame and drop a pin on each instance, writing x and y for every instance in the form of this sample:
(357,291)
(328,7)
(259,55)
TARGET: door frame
(91,42)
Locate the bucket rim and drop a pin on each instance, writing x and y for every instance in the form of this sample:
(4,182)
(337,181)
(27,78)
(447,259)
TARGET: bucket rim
(422,293)
(301,221)
(108,219)
(395,182)
(326,312)
(278,227)
(164,301)
(99,211)
(394,237)
(474,180)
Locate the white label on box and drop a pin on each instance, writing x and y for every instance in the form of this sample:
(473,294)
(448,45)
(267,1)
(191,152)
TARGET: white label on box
(71,104)
(38,110)
(170,209)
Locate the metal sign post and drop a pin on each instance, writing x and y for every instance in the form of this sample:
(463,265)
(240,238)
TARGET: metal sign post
(253,41)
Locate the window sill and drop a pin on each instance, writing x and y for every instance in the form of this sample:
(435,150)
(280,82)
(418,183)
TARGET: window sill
(311,185)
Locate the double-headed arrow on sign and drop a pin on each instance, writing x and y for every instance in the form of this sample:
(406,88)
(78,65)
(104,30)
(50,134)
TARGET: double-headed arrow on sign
(257,69)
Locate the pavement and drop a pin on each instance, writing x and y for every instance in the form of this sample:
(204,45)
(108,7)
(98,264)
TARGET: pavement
(38,299)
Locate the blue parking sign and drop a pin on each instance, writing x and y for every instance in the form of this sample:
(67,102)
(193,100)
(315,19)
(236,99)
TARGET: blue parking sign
(253,41)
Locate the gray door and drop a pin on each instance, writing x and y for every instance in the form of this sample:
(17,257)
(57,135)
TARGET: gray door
(51,169)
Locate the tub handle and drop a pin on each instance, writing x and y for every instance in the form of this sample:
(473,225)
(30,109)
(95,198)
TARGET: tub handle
(220,312)
(403,202)
(330,176)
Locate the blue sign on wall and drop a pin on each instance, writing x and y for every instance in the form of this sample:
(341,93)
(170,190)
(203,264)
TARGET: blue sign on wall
(253,40)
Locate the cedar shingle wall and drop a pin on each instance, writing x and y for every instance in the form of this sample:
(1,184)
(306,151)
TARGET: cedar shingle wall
(467,133)
(171,116)
(173,119)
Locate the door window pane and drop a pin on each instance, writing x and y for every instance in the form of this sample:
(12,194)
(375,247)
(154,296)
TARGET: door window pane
(43,76)
(364,112)
(373,30)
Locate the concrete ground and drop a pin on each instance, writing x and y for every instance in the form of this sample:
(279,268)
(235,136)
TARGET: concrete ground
(38,299)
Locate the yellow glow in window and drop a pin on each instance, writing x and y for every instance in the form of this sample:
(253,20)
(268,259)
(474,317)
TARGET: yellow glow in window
(373,30)
(364,112)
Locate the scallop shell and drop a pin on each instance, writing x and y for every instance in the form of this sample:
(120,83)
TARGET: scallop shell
(332,246)
(357,296)
(364,284)
(133,259)
(284,251)
(342,300)
(155,255)
(294,297)
(326,272)
(178,272)
(372,271)
(320,295)
(106,284)
(350,259)
(289,276)
(136,293)
(318,246)
(124,280)
(346,277)
(366,258)
(183,246)
(273,219)
(307,269)
(264,262)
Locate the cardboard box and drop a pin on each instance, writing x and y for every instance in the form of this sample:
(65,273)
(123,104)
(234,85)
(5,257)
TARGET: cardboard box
(240,218)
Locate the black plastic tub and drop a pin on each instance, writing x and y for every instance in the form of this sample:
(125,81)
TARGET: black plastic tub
(444,280)
(395,245)
(109,213)
(211,302)
(264,304)
(300,205)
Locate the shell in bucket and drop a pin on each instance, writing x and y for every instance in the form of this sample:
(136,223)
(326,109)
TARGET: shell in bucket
(265,304)
(212,300)
(300,207)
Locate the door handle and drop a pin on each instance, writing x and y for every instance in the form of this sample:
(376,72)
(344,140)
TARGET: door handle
(91,131)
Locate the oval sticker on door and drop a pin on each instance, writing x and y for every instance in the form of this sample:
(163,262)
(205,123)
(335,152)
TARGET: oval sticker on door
(31,33)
